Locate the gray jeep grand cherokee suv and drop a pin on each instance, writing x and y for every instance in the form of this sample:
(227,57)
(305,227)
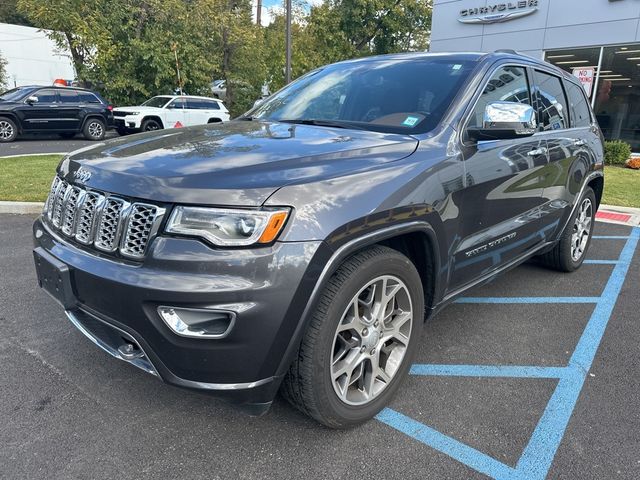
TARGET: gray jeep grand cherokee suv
(301,247)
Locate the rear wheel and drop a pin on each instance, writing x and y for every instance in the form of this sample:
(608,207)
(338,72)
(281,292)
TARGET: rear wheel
(8,130)
(570,251)
(94,129)
(150,125)
(359,344)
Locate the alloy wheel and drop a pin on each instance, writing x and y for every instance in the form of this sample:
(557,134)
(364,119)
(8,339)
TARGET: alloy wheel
(581,230)
(6,130)
(371,340)
(95,129)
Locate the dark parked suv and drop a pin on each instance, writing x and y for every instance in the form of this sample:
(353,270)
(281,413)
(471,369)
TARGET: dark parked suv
(63,110)
(301,247)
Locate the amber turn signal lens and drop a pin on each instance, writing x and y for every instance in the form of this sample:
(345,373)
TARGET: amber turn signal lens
(276,222)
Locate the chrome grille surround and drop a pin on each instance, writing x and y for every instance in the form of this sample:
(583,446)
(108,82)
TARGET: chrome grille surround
(110,226)
(58,203)
(70,210)
(139,228)
(103,221)
(87,214)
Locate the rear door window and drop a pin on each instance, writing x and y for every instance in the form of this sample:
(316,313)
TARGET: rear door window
(551,102)
(69,96)
(578,106)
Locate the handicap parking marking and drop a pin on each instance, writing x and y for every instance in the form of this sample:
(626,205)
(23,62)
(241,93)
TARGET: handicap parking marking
(538,455)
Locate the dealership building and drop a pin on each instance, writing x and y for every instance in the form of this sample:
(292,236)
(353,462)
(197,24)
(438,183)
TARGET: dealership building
(596,40)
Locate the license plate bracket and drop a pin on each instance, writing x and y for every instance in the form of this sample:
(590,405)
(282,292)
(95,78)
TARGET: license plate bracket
(54,277)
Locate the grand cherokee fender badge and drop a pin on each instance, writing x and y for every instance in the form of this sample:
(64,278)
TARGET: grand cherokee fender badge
(82,175)
(487,246)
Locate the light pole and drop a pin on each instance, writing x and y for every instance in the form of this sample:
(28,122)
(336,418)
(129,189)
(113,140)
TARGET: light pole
(287,67)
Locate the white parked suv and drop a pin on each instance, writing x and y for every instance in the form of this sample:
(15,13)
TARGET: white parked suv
(169,111)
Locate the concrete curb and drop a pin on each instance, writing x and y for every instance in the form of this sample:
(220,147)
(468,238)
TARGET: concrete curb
(3,157)
(21,208)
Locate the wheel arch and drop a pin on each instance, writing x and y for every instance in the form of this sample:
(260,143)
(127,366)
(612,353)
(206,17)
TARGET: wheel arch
(214,120)
(597,184)
(411,238)
(14,118)
(152,117)
(93,116)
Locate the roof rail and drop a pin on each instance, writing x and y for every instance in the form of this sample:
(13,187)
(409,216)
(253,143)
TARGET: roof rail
(507,50)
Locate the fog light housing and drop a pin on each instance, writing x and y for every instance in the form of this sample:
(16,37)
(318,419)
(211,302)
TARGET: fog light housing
(197,322)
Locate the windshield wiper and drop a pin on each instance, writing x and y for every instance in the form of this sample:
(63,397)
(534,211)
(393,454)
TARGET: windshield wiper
(323,123)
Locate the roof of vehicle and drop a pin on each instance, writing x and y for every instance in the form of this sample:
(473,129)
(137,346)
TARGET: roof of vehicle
(60,87)
(483,57)
(189,96)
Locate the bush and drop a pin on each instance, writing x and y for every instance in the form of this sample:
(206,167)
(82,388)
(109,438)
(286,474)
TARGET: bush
(616,152)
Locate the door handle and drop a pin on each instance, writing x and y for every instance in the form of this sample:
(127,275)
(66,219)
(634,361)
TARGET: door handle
(579,143)
(538,152)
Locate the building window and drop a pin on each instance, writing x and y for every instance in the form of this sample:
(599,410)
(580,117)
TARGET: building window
(616,89)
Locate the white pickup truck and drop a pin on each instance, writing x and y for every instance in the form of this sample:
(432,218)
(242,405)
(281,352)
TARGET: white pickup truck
(169,111)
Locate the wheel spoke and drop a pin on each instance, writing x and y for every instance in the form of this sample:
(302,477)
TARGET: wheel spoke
(371,340)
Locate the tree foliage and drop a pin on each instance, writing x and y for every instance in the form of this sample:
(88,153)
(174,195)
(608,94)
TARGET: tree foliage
(127,48)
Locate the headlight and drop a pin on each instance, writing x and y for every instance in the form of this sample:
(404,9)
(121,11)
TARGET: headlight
(228,227)
(131,114)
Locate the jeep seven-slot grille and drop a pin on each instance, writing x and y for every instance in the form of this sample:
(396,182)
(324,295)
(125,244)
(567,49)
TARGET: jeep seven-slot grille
(106,222)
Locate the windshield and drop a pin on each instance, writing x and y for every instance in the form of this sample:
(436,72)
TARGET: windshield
(158,102)
(15,94)
(395,95)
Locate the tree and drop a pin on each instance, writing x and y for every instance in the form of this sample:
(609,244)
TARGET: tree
(9,14)
(342,29)
(127,49)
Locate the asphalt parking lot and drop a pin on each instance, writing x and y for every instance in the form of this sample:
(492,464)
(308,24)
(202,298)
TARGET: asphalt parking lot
(43,144)
(532,376)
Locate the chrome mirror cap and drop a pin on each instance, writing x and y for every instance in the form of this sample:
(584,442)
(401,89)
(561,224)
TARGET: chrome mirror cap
(519,117)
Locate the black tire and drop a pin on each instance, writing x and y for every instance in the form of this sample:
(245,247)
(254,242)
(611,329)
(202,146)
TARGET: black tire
(214,120)
(308,384)
(67,135)
(8,130)
(94,129)
(150,125)
(562,256)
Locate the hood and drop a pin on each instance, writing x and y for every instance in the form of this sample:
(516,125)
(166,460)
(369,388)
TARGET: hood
(237,163)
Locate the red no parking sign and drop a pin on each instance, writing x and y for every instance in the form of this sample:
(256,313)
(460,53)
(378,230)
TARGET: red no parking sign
(586,76)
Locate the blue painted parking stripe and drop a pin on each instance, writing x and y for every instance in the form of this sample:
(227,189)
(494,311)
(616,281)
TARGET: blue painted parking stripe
(536,460)
(601,262)
(511,300)
(512,371)
(611,237)
(458,450)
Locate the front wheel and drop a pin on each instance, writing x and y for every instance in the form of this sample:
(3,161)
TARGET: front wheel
(150,125)
(94,129)
(570,251)
(8,130)
(361,339)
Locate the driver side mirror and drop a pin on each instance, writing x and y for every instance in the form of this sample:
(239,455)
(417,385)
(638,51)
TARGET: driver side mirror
(32,99)
(505,121)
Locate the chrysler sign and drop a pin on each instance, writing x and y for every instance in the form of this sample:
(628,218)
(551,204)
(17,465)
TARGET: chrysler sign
(499,12)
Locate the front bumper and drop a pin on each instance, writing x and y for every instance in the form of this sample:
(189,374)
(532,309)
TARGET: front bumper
(127,123)
(267,288)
